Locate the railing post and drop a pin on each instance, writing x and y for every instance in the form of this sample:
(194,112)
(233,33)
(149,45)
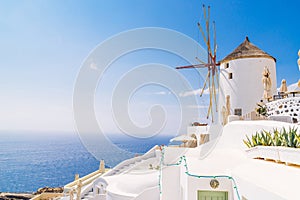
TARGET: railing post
(76,177)
(79,185)
(102,166)
(71,193)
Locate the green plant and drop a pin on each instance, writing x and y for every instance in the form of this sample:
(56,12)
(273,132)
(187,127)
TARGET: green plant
(276,139)
(248,142)
(266,138)
(262,110)
(287,138)
(298,140)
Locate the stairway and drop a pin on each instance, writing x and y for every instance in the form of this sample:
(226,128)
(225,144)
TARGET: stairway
(90,196)
(126,167)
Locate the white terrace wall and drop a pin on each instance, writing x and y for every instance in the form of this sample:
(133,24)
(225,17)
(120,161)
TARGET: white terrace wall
(285,107)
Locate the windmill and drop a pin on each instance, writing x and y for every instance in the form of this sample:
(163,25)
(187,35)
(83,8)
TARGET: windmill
(212,77)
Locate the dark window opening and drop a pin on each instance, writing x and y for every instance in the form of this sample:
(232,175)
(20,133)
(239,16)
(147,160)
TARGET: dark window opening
(230,76)
(227,65)
(238,111)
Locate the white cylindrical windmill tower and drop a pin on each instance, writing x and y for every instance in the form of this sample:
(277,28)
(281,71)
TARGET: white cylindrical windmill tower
(241,79)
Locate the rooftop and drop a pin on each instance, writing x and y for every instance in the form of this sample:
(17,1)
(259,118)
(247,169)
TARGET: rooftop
(246,50)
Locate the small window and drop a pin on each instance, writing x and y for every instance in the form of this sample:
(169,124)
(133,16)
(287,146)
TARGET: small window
(226,65)
(229,75)
(238,111)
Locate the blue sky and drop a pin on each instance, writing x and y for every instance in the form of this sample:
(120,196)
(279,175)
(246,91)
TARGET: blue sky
(43,44)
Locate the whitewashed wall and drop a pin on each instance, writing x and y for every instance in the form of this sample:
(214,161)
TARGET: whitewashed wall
(285,107)
(246,87)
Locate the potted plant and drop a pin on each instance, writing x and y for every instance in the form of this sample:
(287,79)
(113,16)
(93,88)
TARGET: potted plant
(281,145)
(290,150)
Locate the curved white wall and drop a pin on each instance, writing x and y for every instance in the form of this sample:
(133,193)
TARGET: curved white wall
(246,87)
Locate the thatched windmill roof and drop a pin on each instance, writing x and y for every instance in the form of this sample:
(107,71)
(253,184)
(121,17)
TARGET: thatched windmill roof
(246,50)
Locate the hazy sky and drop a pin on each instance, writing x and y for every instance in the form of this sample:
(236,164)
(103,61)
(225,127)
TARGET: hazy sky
(44,43)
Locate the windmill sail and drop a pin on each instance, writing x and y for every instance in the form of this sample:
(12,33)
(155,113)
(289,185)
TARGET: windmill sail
(211,82)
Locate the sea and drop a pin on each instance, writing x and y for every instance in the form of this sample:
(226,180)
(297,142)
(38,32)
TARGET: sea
(32,161)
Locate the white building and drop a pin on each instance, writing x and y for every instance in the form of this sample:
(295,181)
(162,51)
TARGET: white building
(232,171)
(241,78)
(229,172)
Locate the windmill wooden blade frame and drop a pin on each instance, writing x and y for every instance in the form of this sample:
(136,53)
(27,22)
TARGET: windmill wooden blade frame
(211,81)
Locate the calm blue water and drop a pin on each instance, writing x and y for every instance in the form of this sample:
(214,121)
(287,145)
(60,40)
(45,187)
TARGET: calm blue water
(31,162)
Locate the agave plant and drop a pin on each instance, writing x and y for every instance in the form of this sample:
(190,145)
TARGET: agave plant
(248,142)
(256,140)
(276,139)
(298,140)
(266,138)
(293,142)
(287,138)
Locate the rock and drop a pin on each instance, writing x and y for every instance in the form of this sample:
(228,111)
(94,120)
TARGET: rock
(15,196)
(49,190)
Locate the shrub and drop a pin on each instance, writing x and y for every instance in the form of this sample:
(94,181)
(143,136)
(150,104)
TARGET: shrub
(287,138)
(262,110)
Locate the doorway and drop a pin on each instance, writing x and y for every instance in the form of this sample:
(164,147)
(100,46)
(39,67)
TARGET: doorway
(212,195)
